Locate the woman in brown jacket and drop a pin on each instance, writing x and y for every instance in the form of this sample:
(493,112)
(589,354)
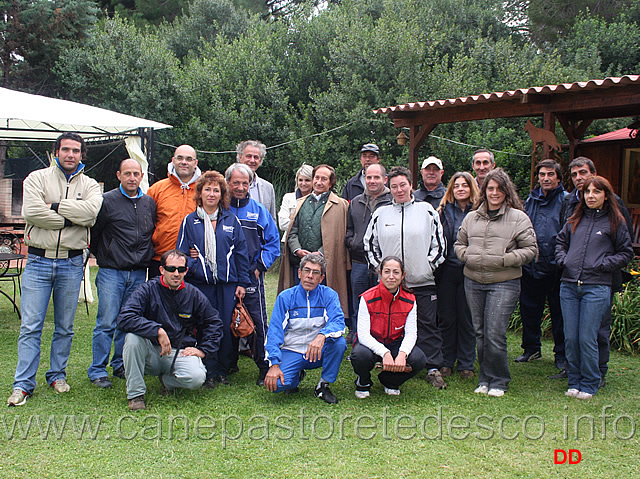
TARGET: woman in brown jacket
(494,242)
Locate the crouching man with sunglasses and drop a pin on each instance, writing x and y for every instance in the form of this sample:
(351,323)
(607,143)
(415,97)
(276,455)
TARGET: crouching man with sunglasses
(171,327)
(305,332)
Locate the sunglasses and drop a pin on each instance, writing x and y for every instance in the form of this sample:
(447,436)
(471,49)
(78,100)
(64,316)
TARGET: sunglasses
(171,269)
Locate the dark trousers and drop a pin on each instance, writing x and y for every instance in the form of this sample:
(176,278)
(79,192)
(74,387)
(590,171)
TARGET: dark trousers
(364,360)
(222,298)
(456,327)
(429,338)
(154,269)
(255,302)
(533,293)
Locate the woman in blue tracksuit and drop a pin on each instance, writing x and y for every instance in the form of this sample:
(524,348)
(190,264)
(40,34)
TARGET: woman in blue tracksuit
(592,245)
(218,264)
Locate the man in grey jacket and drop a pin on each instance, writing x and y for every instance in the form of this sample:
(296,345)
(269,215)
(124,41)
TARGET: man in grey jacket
(60,204)
(361,208)
(252,153)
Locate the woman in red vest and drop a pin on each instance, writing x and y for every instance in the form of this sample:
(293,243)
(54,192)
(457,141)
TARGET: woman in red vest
(387,333)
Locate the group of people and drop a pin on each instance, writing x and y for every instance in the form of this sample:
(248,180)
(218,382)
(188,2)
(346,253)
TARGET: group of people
(467,254)
(422,279)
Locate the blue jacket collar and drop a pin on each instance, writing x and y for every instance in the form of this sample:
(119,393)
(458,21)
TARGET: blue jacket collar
(138,195)
(69,175)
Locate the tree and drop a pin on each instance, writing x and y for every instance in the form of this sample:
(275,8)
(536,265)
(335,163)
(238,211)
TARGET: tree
(125,70)
(33,33)
(201,22)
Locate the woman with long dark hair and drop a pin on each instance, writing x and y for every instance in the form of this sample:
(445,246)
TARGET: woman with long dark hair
(387,332)
(494,241)
(458,336)
(592,245)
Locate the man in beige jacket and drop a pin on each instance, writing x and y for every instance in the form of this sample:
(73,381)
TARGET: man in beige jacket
(60,204)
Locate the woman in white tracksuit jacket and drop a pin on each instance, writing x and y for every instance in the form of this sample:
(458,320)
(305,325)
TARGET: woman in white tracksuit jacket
(412,231)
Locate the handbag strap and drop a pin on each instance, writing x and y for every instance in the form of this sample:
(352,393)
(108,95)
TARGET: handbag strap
(173,362)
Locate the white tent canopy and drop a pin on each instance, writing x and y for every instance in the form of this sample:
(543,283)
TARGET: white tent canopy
(24,116)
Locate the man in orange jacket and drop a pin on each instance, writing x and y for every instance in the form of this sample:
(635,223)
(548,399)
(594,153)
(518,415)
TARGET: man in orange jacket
(174,200)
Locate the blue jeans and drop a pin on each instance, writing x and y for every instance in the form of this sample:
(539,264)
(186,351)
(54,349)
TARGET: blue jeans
(114,288)
(361,280)
(583,309)
(291,363)
(41,277)
(491,306)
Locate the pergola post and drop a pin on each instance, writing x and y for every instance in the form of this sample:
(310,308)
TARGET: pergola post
(417,137)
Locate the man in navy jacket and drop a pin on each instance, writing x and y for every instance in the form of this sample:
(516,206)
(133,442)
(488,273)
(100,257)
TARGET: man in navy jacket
(540,279)
(121,243)
(172,327)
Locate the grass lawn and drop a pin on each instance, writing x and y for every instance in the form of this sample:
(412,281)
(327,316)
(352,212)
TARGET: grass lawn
(244,431)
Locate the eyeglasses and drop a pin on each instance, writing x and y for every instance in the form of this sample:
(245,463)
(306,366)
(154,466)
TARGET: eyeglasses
(172,269)
(185,158)
(315,272)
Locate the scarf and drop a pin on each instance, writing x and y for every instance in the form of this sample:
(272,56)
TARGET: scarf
(209,239)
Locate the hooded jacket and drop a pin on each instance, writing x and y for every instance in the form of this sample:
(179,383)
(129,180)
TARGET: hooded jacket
(494,248)
(411,231)
(544,213)
(591,254)
(174,200)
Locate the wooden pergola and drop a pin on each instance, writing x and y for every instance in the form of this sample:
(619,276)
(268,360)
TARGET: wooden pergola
(573,105)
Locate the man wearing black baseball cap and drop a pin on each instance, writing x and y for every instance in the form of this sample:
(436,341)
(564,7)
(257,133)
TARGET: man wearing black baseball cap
(369,154)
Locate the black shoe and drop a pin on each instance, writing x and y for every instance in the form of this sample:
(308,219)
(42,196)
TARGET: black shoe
(223,380)
(233,369)
(210,383)
(323,392)
(561,364)
(603,383)
(261,376)
(526,357)
(561,375)
(119,373)
(165,391)
(350,336)
(102,382)
(292,391)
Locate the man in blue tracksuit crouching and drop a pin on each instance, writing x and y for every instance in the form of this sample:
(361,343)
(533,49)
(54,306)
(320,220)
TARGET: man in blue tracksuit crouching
(305,332)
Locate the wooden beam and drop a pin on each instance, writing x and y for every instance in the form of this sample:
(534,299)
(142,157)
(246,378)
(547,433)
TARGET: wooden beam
(417,137)
(590,105)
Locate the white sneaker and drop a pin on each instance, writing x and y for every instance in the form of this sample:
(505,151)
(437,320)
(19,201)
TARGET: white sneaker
(571,392)
(481,389)
(392,392)
(583,395)
(496,393)
(61,386)
(362,394)
(17,398)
